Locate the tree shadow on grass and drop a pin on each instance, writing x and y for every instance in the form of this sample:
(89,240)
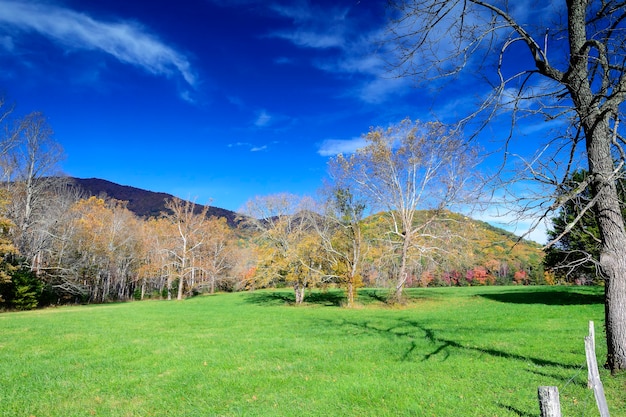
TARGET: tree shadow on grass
(284,297)
(327,298)
(557,296)
(516,411)
(368,296)
(411,330)
(270,298)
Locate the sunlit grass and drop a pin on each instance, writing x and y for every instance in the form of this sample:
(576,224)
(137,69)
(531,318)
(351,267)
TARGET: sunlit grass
(449,352)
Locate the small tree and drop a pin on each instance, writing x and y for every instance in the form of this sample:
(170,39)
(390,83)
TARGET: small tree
(288,246)
(342,238)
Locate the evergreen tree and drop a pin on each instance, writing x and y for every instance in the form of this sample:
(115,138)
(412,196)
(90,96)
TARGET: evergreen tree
(575,256)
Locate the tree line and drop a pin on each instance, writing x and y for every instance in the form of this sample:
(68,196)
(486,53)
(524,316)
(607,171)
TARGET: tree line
(381,220)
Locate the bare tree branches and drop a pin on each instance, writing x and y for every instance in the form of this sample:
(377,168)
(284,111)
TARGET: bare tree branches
(408,167)
(582,84)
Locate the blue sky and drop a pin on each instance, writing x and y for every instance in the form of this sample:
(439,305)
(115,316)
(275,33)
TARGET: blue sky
(212,100)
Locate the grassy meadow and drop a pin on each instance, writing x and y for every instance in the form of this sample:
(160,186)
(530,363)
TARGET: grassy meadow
(477,351)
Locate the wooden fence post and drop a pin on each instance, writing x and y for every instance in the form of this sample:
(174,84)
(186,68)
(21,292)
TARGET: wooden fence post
(594,381)
(549,404)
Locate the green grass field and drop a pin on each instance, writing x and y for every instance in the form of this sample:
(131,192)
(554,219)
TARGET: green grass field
(479,351)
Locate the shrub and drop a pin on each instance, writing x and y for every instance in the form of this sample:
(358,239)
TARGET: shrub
(23,291)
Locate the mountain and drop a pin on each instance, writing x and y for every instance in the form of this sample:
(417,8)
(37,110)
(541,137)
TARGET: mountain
(143,203)
(476,243)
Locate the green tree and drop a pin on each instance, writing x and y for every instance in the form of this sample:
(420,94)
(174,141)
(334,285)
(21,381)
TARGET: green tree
(575,255)
(342,239)
(26,289)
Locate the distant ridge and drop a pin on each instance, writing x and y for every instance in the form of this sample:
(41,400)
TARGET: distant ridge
(143,203)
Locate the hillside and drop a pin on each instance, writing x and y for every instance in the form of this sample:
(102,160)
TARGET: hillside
(143,203)
(454,242)
(475,242)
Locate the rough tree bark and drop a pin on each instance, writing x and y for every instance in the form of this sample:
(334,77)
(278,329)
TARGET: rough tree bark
(584,86)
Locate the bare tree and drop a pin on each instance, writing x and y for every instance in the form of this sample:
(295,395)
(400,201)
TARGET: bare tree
(573,71)
(46,234)
(218,254)
(190,226)
(31,180)
(404,168)
(8,140)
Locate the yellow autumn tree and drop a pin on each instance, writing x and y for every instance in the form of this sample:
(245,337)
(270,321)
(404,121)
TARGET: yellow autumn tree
(288,244)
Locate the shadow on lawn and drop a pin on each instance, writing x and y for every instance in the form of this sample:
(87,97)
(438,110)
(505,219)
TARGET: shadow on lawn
(516,411)
(373,295)
(331,298)
(267,298)
(411,331)
(557,296)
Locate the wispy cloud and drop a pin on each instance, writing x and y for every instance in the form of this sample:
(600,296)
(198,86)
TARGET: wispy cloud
(239,144)
(381,89)
(314,27)
(332,147)
(128,42)
(263,119)
(358,42)
(249,146)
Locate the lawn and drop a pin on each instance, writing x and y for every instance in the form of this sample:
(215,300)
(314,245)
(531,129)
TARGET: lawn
(479,351)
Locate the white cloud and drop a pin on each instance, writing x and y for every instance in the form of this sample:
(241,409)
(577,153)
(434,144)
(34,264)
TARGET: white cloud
(312,39)
(249,146)
(379,90)
(332,147)
(314,27)
(358,44)
(127,42)
(263,119)
(238,144)
(187,96)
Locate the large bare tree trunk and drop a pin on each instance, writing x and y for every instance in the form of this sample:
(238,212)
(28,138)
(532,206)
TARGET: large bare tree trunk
(613,236)
(613,263)
(594,116)
(592,70)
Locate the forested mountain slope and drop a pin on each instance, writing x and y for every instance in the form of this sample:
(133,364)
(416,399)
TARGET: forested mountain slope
(457,250)
(478,245)
(143,203)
